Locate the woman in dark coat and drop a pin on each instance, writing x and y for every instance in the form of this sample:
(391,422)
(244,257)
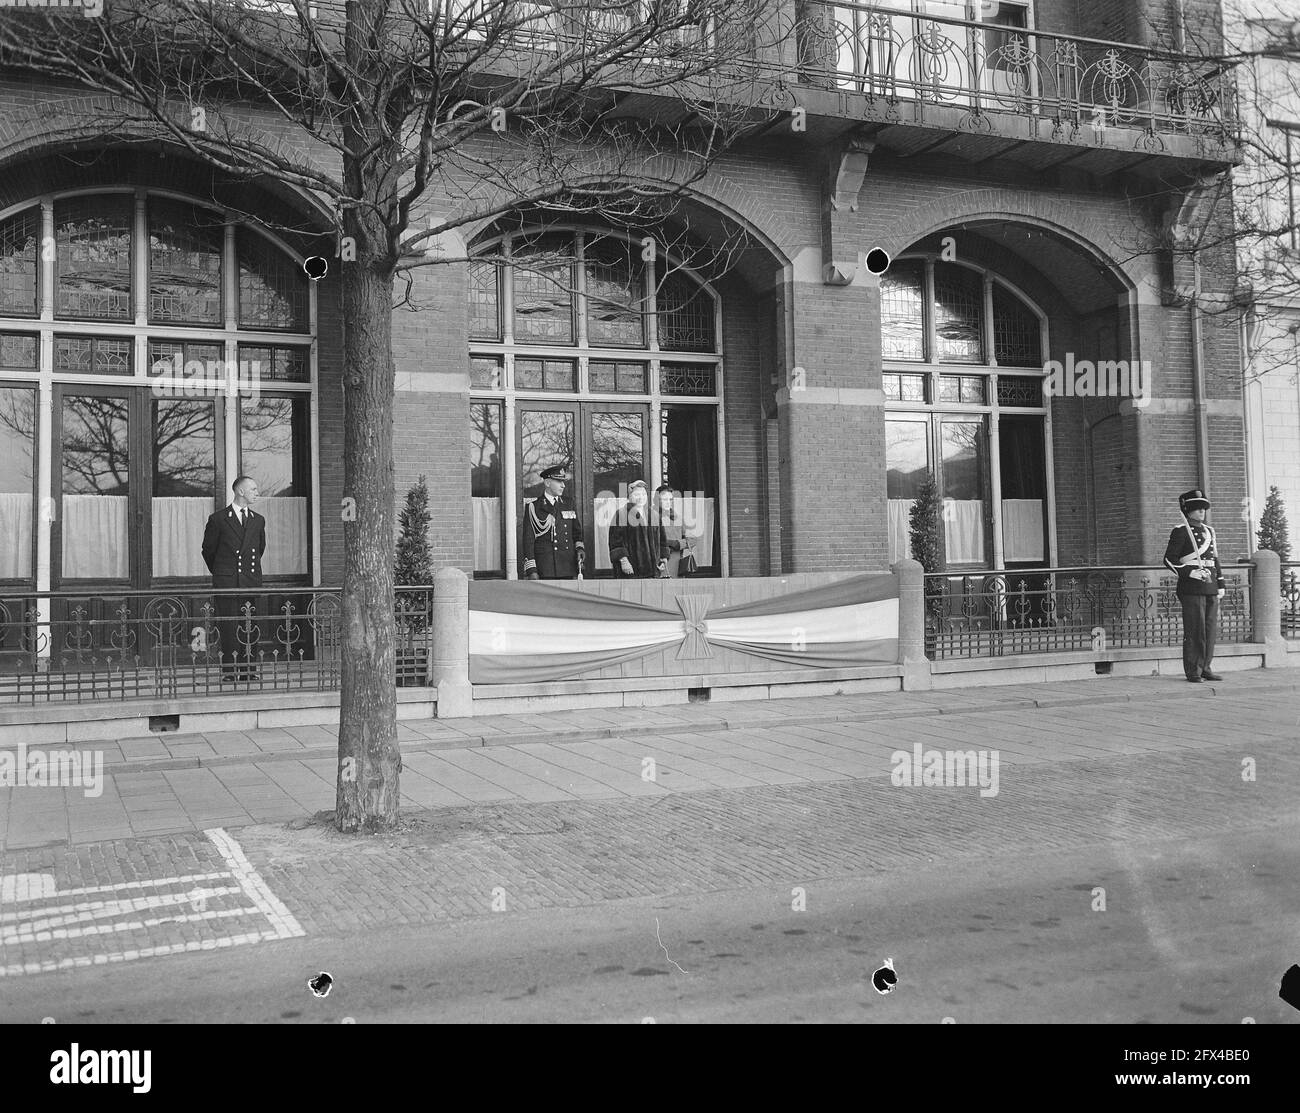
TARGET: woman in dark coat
(637,546)
(676,543)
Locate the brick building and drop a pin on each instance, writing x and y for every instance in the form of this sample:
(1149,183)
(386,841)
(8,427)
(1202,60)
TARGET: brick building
(1024,178)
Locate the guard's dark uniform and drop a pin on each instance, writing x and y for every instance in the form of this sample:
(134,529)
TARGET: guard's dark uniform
(552,537)
(1199,586)
(233,554)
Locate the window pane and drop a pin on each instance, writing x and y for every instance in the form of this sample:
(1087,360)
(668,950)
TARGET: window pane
(485,373)
(688,379)
(615,294)
(1017,339)
(272,287)
(184,359)
(616,378)
(959,300)
(907,458)
(485,485)
(274,364)
(543,273)
(93,355)
(1020,390)
(902,319)
(17,460)
(94,258)
(18,351)
(185,245)
(617,459)
(689,457)
(546,374)
(484,310)
(95,465)
(275,450)
(965,463)
(685,312)
(184,483)
(546,438)
(912,387)
(20,238)
(949,388)
(1023,465)
(972,389)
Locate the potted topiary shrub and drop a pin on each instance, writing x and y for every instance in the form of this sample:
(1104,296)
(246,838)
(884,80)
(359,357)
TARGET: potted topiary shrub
(1272,533)
(413,568)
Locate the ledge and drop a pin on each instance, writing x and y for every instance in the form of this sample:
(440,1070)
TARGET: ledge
(1087,657)
(676,683)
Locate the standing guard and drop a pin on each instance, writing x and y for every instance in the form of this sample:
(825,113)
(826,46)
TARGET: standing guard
(1193,554)
(552,531)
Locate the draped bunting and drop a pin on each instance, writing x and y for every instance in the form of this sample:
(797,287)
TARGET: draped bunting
(522,632)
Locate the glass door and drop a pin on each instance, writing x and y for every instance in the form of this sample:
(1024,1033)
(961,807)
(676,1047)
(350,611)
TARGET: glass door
(546,433)
(964,488)
(619,455)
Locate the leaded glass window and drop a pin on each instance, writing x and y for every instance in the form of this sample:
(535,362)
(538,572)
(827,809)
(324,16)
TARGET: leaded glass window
(19,351)
(615,294)
(546,374)
(687,379)
(607,377)
(685,311)
(902,314)
(485,373)
(1017,338)
(958,309)
(273,292)
(961,388)
(94,258)
(543,273)
(185,245)
(178,357)
(93,355)
(484,302)
(20,238)
(904,388)
(1020,390)
(278,364)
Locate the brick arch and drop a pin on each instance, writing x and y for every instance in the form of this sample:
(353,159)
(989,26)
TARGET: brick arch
(61,127)
(1081,230)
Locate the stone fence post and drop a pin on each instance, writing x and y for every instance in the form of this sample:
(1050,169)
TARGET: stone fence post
(911,626)
(449,671)
(1266,607)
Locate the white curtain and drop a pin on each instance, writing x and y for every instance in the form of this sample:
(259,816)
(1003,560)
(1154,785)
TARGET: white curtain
(900,529)
(487,535)
(964,530)
(16,529)
(94,537)
(178,525)
(287,530)
(605,511)
(1022,529)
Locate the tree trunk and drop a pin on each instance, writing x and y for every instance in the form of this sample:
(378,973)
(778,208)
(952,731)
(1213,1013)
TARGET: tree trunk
(369,764)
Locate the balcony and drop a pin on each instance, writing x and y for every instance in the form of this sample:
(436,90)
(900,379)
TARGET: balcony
(984,83)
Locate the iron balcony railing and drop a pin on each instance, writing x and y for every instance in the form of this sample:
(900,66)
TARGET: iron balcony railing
(1291,600)
(895,55)
(1002,613)
(75,646)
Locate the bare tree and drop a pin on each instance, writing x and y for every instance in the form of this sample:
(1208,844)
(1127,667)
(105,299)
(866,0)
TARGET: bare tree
(411,120)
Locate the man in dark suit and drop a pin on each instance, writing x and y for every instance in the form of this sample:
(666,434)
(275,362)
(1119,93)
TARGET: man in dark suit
(552,531)
(233,544)
(1193,554)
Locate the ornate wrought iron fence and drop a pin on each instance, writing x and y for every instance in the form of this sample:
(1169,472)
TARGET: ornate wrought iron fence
(1001,613)
(1076,82)
(73,646)
(1291,600)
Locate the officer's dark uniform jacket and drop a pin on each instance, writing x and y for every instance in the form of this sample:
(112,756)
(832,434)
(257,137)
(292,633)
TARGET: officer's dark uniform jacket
(1193,537)
(552,537)
(233,553)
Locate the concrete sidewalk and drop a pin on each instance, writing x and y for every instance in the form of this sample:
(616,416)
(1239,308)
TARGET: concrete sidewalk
(155,786)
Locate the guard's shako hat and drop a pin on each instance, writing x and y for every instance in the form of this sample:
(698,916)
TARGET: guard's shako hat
(557,471)
(1193,500)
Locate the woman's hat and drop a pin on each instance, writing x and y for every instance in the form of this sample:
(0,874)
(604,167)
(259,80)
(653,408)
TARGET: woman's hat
(1193,500)
(638,483)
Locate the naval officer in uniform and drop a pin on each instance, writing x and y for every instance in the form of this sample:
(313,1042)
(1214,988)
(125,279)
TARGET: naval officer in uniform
(1193,554)
(552,531)
(233,544)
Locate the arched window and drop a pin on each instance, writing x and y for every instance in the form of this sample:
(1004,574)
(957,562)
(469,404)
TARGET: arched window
(587,350)
(168,371)
(962,373)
